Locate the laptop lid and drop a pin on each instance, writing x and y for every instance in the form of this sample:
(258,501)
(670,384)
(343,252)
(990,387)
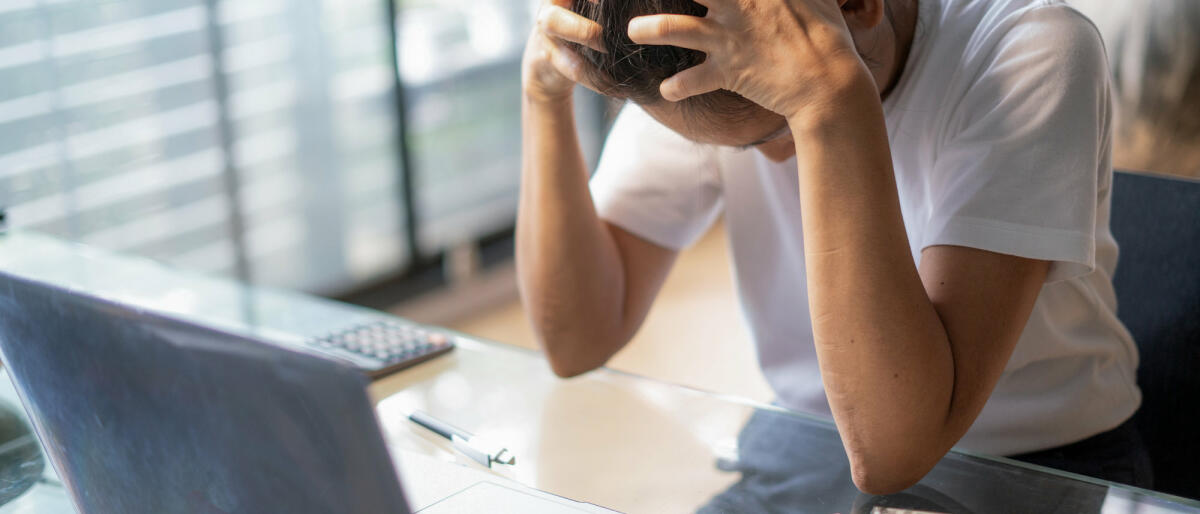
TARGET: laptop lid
(142,412)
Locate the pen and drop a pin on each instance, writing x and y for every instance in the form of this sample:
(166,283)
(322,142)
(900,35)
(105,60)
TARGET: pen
(479,449)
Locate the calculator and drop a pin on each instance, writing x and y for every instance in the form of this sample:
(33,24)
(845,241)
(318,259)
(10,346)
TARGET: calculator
(386,346)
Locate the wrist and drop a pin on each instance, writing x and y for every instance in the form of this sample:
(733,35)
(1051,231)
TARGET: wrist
(548,110)
(548,99)
(843,96)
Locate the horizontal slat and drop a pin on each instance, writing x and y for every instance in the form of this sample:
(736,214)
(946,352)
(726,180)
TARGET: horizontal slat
(140,82)
(367,40)
(122,187)
(229,12)
(251,149)
(130,32)
(142,231)
(145,81)
(256,54)
(124,93)
(366,134)
(278,234)
(138,31)
(268,97)
(11,6)
(22,54)
(362,82)
(149,180)
(370,185)
(218,257)
(21,161)
(144,130)
(183,241)
(27,106)
(270,196)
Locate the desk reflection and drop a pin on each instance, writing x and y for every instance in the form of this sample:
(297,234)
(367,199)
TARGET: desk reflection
(640,451)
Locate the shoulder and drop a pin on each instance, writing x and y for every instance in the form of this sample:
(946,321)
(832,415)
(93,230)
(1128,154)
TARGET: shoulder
(1056,25)
(1021,61)
(1040,32)
(981,55)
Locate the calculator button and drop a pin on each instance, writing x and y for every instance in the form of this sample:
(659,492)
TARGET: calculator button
(391,342)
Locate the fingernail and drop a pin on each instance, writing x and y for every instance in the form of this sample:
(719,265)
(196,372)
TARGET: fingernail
(666,94)
(542,17)
(633,26)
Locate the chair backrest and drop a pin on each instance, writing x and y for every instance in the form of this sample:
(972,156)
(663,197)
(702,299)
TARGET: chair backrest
(1156,221)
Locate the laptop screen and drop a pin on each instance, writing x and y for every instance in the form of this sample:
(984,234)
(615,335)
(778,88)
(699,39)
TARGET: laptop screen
(141,412)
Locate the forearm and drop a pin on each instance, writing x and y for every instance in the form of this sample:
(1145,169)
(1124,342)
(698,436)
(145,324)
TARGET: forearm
(908,357)
(884,354)
(569,270)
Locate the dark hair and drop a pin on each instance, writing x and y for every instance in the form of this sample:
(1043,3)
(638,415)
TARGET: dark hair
(634,71)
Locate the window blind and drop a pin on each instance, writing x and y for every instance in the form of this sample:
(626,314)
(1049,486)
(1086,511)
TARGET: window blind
(244,138)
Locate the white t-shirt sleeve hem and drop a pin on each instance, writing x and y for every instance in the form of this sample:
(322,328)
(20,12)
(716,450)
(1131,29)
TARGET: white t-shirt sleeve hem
(624,212)
(1071,254)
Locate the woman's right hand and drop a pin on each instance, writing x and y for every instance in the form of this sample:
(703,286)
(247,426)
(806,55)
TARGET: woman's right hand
(549,68)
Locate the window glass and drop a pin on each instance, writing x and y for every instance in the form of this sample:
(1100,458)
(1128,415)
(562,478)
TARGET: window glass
(253,139)
(460,61)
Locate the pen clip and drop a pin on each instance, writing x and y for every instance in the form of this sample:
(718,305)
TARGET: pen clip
(483,451)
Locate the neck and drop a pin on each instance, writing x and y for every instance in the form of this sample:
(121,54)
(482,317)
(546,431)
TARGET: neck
(903,18)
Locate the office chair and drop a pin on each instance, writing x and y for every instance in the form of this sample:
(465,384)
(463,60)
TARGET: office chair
(1156,221)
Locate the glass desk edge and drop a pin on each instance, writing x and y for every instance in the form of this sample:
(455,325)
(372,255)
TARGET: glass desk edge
(184,278)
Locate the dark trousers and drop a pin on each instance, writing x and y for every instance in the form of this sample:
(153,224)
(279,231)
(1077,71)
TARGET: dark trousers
(1118,455)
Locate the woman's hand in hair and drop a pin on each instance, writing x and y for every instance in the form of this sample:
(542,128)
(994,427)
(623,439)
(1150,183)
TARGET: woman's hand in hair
(788,56)
(550,69)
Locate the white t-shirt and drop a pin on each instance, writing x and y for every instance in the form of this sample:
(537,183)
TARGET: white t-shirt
(1000,131)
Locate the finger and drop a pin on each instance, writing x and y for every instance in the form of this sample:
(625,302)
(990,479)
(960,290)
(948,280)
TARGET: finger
(711,4)
(566,4)
(571,66)
(567,63)
(693,81)
(564,24)
(673,29)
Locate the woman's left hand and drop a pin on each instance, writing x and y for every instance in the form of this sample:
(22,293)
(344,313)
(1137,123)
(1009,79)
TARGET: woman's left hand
(788,56)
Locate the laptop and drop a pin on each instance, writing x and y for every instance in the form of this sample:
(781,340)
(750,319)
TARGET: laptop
(140,411)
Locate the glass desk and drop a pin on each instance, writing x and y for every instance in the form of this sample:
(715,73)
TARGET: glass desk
(625,442)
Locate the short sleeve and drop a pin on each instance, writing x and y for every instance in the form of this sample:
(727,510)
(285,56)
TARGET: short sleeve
(1026,154)
(655,183)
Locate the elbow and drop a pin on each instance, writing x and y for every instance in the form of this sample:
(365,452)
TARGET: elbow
(568,368)
(887,473)
(571,360)
(882,482)
(572,348)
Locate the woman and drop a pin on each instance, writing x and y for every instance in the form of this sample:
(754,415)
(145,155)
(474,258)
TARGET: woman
(921,238)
